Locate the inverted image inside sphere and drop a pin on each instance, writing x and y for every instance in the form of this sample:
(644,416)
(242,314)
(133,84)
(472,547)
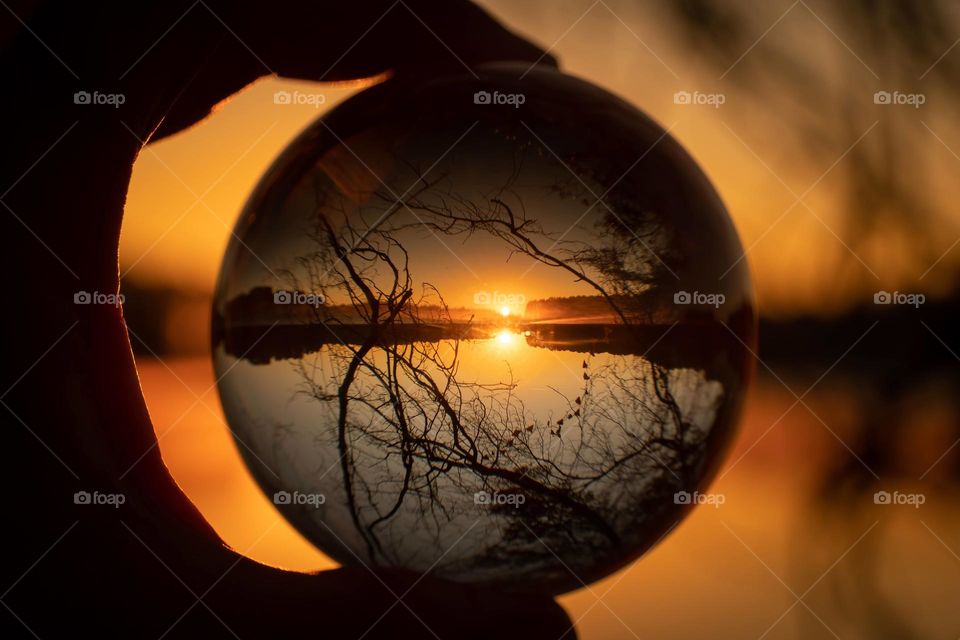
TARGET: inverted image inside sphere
(493,328)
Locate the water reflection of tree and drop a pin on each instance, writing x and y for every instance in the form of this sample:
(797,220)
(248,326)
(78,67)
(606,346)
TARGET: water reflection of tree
(409,430)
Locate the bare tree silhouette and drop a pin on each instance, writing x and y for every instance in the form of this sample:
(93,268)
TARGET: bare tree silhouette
(414,437)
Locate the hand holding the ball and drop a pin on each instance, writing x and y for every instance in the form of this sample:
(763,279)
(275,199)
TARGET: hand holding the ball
(153,566)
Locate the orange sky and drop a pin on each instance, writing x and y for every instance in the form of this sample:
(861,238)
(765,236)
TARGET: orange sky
(187,192)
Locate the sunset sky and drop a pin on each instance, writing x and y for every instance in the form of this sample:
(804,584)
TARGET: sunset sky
(187,191)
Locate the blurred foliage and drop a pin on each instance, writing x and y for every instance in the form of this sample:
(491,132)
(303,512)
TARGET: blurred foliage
(824,99)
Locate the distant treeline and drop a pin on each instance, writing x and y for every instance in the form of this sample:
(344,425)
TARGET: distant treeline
(259,306)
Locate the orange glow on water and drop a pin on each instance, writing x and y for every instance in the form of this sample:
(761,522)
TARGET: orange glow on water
(506,338)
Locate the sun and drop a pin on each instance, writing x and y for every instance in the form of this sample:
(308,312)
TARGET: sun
(505,311)
(505,338)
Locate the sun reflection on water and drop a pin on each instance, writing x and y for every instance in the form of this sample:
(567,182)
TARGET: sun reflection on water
(506,338)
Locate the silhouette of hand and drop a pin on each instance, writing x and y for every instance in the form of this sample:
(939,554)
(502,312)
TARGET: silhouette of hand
(75,417)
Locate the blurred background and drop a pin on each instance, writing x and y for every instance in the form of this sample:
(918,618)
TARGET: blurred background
(830,131)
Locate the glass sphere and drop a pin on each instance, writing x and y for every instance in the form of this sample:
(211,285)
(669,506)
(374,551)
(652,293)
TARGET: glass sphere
(496,328)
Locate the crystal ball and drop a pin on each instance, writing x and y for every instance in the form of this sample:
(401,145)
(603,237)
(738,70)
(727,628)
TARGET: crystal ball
(494,326)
